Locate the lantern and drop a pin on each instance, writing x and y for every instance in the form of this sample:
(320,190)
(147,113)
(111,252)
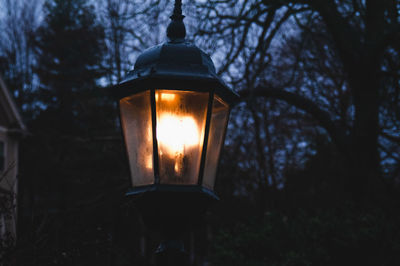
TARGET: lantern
(174,112)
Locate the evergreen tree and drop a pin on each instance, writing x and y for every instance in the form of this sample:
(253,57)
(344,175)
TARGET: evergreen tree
(70,47)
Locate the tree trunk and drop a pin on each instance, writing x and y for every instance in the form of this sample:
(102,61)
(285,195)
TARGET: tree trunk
(364,156)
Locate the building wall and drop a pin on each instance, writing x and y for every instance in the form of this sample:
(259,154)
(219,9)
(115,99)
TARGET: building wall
(12,129)
(8,179)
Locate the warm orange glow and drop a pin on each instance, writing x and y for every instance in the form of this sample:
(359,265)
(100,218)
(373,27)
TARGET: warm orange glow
(166,96)
(149,162)
(149,132)
(177,133)
(149,158)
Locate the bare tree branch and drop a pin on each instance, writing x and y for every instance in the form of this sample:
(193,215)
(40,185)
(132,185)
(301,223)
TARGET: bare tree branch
(336,133)
(392,138)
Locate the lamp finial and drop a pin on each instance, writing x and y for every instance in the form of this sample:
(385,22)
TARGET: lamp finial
(176,30)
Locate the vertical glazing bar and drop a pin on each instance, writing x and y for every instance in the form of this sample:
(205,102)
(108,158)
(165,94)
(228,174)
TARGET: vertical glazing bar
(155,143)
(205,142)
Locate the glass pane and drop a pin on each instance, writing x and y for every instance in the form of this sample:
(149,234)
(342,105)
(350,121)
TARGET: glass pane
(181,119)
(219,119)
(137,127)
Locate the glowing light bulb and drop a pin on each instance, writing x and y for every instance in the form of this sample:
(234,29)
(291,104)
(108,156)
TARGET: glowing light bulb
(176,133)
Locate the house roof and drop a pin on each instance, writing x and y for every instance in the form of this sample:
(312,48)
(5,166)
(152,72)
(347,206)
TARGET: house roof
(10,117)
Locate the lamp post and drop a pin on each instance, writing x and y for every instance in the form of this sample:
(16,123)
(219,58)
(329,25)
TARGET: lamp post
(174,112)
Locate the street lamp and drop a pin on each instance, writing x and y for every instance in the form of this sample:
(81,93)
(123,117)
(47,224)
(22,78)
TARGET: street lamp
(174,111)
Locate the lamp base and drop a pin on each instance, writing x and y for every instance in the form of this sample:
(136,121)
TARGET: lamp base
(172,210)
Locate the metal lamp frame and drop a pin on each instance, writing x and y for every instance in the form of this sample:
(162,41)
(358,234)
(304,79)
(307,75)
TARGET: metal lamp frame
(174,65)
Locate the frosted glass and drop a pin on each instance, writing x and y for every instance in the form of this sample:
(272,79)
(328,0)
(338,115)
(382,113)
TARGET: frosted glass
(181,117)
(219,119)
(137,127)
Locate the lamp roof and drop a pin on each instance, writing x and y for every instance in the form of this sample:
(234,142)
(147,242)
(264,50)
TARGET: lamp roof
(174,65)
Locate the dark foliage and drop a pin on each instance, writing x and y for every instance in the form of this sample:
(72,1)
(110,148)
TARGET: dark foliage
(337,236)
(314,223)
(7,240)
